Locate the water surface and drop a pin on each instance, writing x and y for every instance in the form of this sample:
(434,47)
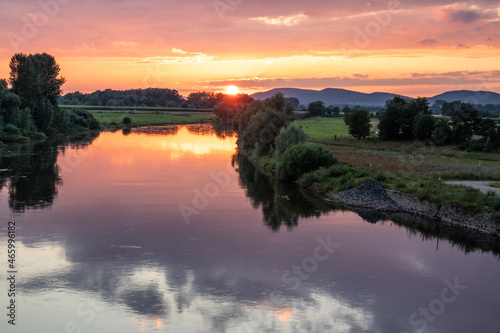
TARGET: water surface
(167,230)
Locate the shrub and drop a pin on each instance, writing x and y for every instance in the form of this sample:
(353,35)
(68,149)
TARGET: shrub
(288,136)
(11,130)
(302,158)
(126,120)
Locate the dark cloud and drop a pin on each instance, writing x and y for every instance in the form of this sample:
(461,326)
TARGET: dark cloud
(428,41)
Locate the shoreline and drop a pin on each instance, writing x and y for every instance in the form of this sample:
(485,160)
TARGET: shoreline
(372,198)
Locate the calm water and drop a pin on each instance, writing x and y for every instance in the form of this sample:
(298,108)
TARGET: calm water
(170,231)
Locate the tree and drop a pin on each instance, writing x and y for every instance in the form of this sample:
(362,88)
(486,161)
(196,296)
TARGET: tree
(424,126)
(447,108)
(294,101)
(389,125)
(35,78)
(359,123)
(409,113)
(441,135)
(316,108)
(288,136)
(260,122)
(464,123)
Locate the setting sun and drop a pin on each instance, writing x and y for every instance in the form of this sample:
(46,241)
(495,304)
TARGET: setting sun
(232,90)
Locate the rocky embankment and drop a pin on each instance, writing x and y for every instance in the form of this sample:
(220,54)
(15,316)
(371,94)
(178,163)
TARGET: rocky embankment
(371,195)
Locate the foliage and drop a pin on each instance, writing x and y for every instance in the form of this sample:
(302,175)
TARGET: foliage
(126,120)
(397,119)
(288,136)
(302,158)
(424,126)
(442,132)
(258,123)
(316,109)
(464,123)
(84,119)
(150,97)
(359,123)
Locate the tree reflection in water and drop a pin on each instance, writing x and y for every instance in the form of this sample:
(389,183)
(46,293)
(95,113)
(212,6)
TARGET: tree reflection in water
(283,203)
(30,172)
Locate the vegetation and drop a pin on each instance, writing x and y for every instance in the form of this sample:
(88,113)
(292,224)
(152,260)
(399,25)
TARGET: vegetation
(114,119)
(288,136)
(302,158)
(358,122)
(30,107)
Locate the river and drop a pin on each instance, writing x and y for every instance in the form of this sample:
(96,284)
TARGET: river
(169,230)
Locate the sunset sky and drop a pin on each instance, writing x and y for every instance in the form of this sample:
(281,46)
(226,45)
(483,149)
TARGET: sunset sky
(415,48)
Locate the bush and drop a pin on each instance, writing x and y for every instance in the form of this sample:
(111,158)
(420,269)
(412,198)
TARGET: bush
(84,119)
(302,158)
(127,120)
(11,130)
(288,136)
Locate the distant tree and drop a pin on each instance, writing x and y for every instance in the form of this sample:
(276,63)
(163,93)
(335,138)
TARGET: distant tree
(390,119)
(447,108)
(316,108)
(424,126)
(409,113)
(359,123)
(294,101)
(170,104)
(485,125)
(335,110)
(441,135)
(346,109)
(464,123)
(94,100)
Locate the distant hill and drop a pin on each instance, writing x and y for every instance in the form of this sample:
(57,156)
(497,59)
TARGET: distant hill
(468,96)
(333,96)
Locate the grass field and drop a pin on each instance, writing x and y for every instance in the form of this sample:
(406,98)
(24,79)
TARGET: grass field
(107,119)
(409,167)
(323,128)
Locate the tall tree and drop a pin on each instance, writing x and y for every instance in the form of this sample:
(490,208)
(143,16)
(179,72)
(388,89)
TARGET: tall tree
(35,78)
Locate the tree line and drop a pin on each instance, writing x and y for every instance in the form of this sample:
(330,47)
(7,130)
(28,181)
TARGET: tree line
(29,108)
(150,97)
(462,125)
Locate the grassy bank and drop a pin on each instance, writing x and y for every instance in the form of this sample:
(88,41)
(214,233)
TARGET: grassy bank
(113,119)
(409,167)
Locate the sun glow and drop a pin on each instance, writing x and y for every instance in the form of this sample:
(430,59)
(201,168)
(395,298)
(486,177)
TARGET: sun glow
(232,90)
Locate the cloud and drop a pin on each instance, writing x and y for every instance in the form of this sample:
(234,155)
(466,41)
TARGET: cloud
(179,51)
(428,41)
(287,21)
(483,79)
(124,43)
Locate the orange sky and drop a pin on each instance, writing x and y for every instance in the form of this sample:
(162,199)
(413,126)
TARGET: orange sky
(415,48)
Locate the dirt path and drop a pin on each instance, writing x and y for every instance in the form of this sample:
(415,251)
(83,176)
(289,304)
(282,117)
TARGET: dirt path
(480,185)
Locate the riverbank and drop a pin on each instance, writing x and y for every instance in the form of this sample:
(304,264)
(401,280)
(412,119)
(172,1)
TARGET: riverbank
(371,197)
(115,119)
